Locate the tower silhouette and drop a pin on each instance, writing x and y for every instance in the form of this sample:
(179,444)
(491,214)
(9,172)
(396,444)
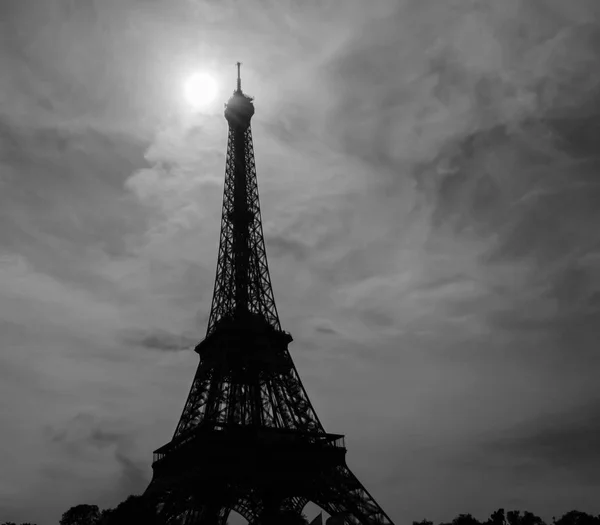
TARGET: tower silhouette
(249,439)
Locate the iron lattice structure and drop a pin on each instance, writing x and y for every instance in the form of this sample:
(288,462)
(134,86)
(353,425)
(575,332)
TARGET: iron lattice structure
(249,439)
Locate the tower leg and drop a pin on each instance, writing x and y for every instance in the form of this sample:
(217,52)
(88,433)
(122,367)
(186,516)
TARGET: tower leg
(342,494)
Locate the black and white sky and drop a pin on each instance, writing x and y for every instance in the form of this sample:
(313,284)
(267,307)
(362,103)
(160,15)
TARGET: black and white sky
(430,193)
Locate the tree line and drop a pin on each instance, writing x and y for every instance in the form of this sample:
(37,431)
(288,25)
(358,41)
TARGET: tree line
(135,509)
(516,517)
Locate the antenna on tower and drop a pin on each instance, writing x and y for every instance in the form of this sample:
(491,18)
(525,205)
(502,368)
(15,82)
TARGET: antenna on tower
(239,80)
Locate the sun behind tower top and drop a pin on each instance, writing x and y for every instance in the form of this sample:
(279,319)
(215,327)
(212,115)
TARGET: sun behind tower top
(239,109)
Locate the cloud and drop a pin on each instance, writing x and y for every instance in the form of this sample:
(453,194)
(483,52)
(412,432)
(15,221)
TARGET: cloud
(185,168)
(559,443)
(60,195)
(34,298)
(92,438)
(164,341)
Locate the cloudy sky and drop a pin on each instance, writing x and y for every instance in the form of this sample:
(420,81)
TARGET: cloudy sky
(429,184)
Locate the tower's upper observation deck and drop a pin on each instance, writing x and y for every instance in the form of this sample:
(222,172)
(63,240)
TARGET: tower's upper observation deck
(239,109)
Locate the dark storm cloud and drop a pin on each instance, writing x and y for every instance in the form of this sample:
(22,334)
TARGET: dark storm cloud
(162,340)
(133,477)
(503,154)
(62,193)
(280,246)
(84,429)
(539,199)
(322,326)
(474,87)
(565,443)
(524,185)
(85,433)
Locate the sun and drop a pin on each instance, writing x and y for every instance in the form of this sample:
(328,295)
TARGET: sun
(200,89)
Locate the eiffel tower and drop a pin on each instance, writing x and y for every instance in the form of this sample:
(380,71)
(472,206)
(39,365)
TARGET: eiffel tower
(249,439)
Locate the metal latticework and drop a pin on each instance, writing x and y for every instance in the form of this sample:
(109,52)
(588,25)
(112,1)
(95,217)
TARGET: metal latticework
(242,392)
(249,439)
(246,375)
(242,283)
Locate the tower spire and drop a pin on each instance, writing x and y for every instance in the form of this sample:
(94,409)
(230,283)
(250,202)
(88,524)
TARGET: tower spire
(239,79)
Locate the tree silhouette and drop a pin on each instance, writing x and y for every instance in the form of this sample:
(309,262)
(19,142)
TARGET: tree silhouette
(575,517)
(81,515)
(529,518)
(497,518)
(465,519)
(134,509)
(515,517)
